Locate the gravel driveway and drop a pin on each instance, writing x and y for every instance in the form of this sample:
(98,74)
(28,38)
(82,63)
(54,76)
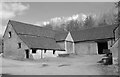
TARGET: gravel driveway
(74,65)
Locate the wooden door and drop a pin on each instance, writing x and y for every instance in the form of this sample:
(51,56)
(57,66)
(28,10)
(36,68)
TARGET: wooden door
(27,53)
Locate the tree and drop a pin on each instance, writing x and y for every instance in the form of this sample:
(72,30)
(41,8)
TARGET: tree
(117,4)
(48,26)
(73,25)
(107,18)
(89,22)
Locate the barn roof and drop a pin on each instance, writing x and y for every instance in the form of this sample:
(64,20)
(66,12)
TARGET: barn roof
(40,42)
(29,29)
(35,36)
(95,33)
(61,36)
(43,34)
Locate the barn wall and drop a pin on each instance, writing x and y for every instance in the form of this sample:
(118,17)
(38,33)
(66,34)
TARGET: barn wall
(110,43)
(69,37)
(117,33)
(11,49)
(86,48)
(69,43)
(114,49)
(69,46)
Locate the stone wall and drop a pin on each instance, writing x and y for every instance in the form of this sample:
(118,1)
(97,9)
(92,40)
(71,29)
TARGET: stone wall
(11,49)
(86,48)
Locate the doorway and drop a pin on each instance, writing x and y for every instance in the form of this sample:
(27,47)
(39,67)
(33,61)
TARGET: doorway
(27,53)
(102,46)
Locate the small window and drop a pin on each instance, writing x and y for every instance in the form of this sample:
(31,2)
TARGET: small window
(19,45)
(9,34)
(53,51)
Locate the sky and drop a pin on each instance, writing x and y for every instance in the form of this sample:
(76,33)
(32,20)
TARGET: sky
(35,12)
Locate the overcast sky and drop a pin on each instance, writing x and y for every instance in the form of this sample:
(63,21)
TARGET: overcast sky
(33,12)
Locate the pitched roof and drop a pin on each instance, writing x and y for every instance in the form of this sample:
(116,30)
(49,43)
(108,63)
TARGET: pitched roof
(35,36)
(29,29)
(61,36)
(93,33)
(40,42)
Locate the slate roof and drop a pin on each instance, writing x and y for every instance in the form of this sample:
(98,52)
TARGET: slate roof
(93,33)
(29,29)
(40,42)
(39,37)
(60,36)
(35,36)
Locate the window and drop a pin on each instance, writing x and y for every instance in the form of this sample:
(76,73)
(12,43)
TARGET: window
(53,51)
(9,34)
(19,45)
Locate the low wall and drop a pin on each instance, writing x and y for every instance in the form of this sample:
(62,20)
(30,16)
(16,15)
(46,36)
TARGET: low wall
(42,54)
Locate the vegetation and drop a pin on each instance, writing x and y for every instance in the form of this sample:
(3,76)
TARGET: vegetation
(107,18)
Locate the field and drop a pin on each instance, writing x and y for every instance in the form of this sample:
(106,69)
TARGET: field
(73,65)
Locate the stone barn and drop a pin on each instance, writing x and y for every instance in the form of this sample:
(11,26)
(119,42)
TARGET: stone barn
(93,40)
(23,41)
(87,41)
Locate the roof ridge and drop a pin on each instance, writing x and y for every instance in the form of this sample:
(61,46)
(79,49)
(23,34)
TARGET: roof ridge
(35,26)
(19,34)
(30,24)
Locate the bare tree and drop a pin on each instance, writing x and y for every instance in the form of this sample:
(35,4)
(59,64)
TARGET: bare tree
(89,22)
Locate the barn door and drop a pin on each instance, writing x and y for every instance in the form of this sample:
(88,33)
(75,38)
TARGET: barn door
(27,53)
(102,46)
